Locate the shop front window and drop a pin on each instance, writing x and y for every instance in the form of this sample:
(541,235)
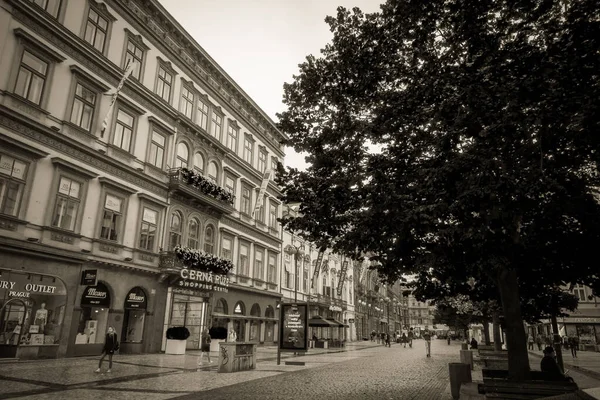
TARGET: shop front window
(93,322)
(189,311)
(255,324)
(269,325)
(32,308)
(220,309)
(135,314)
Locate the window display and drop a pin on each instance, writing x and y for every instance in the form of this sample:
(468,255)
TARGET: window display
(135,313)
(93,320)
(31,308)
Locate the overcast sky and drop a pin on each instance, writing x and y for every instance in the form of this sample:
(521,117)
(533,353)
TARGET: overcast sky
(260,43)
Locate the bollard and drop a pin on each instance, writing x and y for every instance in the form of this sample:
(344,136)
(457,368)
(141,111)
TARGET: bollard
(466,357)
(464,346)
(459,373)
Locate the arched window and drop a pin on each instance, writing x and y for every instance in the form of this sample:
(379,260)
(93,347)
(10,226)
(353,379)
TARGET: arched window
(269,312)
(134,316)
(213,171)
(254,324)
(182,156)
(193,234)
(221,306)
(255,310)
(199,163)
(175,229)
(209,239)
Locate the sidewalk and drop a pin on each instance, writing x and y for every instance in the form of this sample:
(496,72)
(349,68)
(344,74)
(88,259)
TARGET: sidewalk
(587,362)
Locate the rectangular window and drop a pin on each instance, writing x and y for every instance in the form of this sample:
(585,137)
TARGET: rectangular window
(259,269)
(262,161)
(123,130)
(202,116)
(244,267)
(248,145)
(164,84)
(227,248)
(187,102)
(96,30)
(84,103)
(50,6)
(230,185)
(157,150)
(260,214)
(31,78)
(232,135)
(67,204)
(246,200)
(13,173)
(217,123)
(273,216)
(272,272)
(111,218)
(579,291)
(148,229)
(134,54)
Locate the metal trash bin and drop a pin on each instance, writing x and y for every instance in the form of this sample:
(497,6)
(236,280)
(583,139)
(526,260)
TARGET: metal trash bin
(459,373)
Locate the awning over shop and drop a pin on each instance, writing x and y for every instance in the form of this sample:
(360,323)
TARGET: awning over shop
(337,323)
(320,322)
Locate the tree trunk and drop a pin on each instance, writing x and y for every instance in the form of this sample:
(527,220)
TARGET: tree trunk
(486,332)
(516,340)
(496,331)
(557,342)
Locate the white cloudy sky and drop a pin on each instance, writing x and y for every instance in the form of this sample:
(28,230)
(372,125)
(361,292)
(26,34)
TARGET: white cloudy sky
(260,43)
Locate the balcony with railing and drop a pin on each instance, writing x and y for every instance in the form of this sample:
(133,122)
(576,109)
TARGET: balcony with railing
(200,190)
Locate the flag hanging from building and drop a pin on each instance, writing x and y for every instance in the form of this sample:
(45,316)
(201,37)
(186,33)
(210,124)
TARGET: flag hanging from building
(342,277)
(325,266)
(363,271)
(316,271)
(128,68)
(263,189)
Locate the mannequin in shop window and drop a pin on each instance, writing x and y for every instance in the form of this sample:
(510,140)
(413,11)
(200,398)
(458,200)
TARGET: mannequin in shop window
(41,316)
(232,336)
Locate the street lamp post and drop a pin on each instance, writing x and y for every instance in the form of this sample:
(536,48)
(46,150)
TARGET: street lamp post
(297,252)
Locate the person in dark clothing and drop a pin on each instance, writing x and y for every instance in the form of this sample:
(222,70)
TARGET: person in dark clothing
(473,344)
(111,344)
(574,344)
(387,340)
(411,336)
(550,367)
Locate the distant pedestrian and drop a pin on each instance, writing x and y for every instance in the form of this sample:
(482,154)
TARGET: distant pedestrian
(411,336)
(427,337)
(448,337)
(573,344)
(205,341)
(404,338)
(473,344)
(538,341)
(373,335)
(378,337)
(530,342)
(111,344)
(387,340)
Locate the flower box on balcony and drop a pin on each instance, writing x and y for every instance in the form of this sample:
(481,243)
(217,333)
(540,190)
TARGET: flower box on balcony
(202,184)
(195,259)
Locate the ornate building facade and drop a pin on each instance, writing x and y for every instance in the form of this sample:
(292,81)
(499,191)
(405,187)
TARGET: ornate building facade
(96,191)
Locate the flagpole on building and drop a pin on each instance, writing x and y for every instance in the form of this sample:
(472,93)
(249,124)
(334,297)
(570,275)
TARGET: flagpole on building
(128,69)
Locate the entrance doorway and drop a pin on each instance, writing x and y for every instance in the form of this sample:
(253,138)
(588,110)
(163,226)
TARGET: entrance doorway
(189,311)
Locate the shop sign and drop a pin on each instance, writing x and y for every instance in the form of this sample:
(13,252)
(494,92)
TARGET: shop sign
(293,327)
(316,270)
(351,321)
(89,277)
(19,289)
(581,320)
(136,298)
(202,281)
(335,308)
(96,296)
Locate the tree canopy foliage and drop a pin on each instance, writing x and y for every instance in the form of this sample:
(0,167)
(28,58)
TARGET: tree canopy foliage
(454,139)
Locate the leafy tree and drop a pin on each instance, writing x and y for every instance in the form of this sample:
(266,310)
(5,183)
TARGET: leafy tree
(455,138)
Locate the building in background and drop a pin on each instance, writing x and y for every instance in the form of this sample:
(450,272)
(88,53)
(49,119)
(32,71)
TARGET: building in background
(329,291)
(97,190)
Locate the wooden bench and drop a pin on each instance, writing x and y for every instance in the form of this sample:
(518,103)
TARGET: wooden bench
(498,388)
(502,374)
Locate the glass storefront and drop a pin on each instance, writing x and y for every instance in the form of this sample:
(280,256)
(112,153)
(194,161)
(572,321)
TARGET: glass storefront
(189,311)
(134,316)
(93,320)
(32,309)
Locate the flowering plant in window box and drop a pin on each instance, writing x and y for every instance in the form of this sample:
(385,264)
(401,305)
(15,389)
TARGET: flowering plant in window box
(206,186)
(198,259)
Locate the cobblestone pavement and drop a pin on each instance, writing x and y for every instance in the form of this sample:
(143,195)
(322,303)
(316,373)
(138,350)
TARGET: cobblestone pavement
(364,370)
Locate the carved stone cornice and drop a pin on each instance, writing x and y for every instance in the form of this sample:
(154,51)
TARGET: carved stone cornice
(46,136)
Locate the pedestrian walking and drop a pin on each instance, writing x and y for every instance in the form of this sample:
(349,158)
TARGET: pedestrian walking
(205,341)
(378,337)
(111,344)
(427,337)
(538,341)
(448,339)
(404,338)
(573,344)
(373,335)
(387,340)
(530,342)
(411,336)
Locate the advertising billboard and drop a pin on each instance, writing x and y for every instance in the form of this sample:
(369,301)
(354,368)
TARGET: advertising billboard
(293,333)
